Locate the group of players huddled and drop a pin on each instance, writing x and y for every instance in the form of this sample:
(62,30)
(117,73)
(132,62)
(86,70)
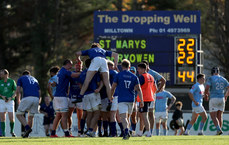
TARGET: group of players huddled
(103,96)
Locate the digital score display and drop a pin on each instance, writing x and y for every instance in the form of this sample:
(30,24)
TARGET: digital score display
(185,49)
(168,40)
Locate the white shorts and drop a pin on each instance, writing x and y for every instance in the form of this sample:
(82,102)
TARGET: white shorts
(152,104)
(6,106)
(60,104)
(125,107)
(91,102)
(70,104)
(114,105)
(104,104)
(161,115)
(216,104)
(79,105)
(98,64)
(198,109)
(30,104)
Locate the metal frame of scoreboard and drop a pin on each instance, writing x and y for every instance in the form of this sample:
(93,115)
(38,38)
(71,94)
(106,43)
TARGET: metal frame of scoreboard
(180,29)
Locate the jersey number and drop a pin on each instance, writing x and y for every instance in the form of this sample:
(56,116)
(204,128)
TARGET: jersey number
(31,81)
(127,83)
(219,86)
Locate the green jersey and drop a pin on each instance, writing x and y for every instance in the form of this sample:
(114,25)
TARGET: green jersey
(7,89)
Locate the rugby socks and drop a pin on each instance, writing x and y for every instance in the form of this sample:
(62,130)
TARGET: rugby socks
(157,131)
(66,132)
(201,126)
(151,131)
(121,128)
(12,127)
(82,125)
(100,126)
(165,131)
(188,128)
(113,128)
(53,132)
(133,126)
(27,127)
(3,127)
(105,127)
(126,132)
(218,128)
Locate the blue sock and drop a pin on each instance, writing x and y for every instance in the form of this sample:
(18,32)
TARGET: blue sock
(151,131)
(90,129)
(53,132)
(157,131)
(165,131)
(133,126)
(113,128)
(82,125)
(201,125)
(105,126)
(218,128)
(100,126)
(27,127)
(121,127)
(126,131)
(189,126)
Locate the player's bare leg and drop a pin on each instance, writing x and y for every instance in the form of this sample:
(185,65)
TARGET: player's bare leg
(125,123)
(12,122)
(151,119)
(216,122)
(203,120)
(164,125)
(56,122)
(30,121)
(219,116)
(70,111)
(79,117)
(146,123)
(158,127)
(190,124)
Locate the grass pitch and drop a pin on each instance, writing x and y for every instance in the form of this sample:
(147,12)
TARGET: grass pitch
(157,140)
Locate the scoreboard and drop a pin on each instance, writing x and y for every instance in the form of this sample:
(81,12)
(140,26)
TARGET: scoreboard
(168,40)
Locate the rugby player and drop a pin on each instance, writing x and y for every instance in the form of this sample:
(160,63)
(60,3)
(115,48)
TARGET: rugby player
(60,100)
(148,90)
(91,99)
(196,95)
(29,102)
(161,109)
(98,63)
(7,96)
(52,81)
(126,83)
(216,84)
(134,113)
(159,80)
(74,92)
